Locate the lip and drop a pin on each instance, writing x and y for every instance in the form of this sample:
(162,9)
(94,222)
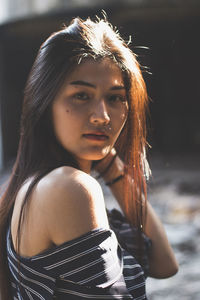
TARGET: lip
(96,136)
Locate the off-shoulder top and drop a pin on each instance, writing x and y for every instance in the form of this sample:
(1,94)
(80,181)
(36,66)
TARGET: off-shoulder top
(100,264)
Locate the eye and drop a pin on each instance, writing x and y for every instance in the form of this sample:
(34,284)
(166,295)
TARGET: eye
(117,98)
(81,96)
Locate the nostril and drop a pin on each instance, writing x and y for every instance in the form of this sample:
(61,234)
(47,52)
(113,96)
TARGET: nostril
(100,113)
(97,118)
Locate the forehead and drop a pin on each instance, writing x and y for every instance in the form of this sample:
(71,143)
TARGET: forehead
(103,71)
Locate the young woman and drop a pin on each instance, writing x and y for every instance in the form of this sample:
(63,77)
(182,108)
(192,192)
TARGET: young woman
(84,109)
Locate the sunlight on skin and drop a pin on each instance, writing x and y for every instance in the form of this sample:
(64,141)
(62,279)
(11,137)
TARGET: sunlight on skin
(90,111)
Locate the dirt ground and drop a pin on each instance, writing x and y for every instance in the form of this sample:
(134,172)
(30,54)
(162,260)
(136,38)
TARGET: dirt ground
(174,192)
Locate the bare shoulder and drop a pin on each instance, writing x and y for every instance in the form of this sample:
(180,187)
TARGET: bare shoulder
(67,182)
(73,203)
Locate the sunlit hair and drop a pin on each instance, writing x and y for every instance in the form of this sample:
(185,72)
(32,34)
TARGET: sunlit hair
(39,151)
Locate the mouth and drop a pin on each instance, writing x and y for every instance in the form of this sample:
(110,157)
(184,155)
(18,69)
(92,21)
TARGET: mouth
(96,136)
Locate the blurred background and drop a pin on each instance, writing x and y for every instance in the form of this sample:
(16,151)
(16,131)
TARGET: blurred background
(166,37)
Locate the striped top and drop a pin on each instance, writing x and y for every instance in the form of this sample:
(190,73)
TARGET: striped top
(92,266)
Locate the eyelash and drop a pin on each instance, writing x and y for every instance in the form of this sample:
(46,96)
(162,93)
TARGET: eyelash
(112,98)
(117,98)
(79,96)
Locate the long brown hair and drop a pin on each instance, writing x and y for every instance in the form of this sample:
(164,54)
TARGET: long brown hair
(56,58)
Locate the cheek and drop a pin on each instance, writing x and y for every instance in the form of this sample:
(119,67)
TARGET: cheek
(123,121)
(124,115)
(121,118)
(61,119)
(118,124)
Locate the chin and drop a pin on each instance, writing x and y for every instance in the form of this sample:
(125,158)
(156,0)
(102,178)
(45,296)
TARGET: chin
(96,155)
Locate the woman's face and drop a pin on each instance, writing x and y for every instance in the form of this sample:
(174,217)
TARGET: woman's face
(90,110)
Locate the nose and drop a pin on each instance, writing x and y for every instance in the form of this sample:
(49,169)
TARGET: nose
(99,113)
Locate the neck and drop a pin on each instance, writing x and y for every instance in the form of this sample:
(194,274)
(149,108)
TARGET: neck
(85,165)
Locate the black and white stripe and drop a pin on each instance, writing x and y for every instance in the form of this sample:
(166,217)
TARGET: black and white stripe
(93,266)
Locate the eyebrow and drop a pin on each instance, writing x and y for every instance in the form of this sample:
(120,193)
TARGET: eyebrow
(84,83)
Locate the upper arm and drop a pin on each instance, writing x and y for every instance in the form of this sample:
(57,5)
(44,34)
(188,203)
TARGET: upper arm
(73,203)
